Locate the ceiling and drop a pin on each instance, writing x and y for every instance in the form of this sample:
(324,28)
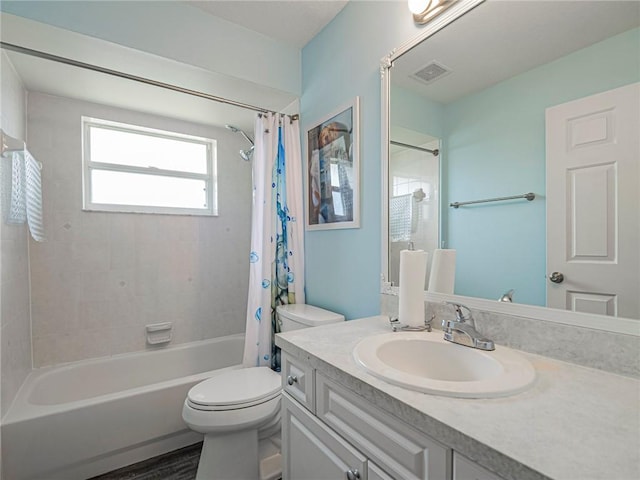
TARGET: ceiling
(293,22)
(538,32)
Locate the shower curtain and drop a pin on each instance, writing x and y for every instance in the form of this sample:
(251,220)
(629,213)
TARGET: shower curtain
(276,261)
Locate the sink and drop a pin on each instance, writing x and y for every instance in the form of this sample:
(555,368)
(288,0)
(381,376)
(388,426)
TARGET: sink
(425,362)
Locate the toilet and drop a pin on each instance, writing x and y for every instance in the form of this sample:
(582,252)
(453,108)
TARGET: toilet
(238,411)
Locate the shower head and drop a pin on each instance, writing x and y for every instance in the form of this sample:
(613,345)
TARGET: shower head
(237,130)
(247,154)
(244,154)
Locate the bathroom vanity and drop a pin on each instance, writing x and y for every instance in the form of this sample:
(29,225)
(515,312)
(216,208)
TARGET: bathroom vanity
(341,422)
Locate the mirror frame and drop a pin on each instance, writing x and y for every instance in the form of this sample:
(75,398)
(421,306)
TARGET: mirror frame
(626,326)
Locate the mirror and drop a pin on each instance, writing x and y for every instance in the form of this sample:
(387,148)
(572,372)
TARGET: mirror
(477,90)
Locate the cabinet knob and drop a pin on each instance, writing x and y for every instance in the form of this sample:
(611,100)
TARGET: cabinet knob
(353,474)
(291,379)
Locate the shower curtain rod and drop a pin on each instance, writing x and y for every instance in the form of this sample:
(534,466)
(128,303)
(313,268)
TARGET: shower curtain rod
(135,78)
(435,152)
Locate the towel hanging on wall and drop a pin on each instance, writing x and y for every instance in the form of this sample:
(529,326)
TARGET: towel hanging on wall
(25,193)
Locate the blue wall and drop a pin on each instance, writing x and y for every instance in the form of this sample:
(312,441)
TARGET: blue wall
(494,146)
(342,62)
(343,266)
(415,112)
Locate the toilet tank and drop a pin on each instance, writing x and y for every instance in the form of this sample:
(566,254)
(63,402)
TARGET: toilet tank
(299,315)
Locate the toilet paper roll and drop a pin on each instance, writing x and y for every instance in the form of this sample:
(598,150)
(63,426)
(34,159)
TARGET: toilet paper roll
(443,271)
(413,268)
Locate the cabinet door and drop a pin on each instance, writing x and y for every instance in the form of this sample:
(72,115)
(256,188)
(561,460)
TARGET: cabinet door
(399,449)
(313,452)
(465,469)
(376,473)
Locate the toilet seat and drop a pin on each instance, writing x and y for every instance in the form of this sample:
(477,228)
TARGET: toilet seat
(235,389)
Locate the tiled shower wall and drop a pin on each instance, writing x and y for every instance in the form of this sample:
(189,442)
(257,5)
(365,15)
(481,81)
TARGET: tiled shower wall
(15,330)
(101,277)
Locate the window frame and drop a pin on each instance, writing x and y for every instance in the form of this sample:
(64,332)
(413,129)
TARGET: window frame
(210,177)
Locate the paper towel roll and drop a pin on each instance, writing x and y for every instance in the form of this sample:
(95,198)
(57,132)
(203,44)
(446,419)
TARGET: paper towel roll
(443,271)
(413,268)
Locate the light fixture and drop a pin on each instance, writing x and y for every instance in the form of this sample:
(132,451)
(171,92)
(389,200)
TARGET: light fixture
(426,10)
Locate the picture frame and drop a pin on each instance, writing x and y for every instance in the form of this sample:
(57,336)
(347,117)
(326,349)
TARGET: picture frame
(332,170)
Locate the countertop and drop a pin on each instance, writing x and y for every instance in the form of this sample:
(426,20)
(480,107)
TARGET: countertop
(574,423)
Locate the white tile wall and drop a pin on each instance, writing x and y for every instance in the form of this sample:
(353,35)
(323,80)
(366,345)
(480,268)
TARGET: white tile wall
(15,330)
(101,277)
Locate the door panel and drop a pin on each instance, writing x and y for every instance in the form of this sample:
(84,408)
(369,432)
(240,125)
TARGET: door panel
(593,203)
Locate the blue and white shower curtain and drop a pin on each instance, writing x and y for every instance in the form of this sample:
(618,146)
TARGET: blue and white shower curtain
(276,268)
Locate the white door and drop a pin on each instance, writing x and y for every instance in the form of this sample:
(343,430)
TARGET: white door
(593,203)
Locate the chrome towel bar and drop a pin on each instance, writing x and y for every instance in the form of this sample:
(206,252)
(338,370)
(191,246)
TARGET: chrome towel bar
(529,196)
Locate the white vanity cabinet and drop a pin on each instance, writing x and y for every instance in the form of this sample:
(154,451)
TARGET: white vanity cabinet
(340,435)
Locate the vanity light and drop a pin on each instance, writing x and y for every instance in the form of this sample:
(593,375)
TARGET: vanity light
(426,10)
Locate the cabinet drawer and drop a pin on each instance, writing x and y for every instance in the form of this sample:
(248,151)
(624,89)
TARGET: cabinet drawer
(311,451)
(465,469)
(400,450)
(298,381)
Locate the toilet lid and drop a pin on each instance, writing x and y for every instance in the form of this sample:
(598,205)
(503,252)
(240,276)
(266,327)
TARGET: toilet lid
(237,388)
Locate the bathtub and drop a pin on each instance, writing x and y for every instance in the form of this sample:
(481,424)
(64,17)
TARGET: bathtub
(86,418)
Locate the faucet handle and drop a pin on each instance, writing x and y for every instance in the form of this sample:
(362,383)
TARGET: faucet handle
(460,316)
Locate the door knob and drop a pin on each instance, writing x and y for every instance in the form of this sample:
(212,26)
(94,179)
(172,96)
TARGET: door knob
(556,277)
(291,379)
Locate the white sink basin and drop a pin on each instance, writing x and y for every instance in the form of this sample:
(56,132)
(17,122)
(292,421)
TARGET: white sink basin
(425,362)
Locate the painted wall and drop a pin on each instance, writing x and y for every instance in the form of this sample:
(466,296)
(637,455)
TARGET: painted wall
(178,31)
(415,112)
(101,277)
(340,63)
(15,321)
(494,146)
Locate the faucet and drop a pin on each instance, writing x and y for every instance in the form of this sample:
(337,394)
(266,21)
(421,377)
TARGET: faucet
(462,330)
(507,296)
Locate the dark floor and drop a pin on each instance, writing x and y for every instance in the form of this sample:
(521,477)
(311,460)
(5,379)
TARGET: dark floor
(177,465)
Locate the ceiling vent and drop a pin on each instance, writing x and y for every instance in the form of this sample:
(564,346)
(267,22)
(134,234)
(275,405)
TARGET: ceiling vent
(431,72)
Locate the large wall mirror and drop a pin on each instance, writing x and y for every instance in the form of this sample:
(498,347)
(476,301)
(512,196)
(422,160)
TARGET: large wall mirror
(497,99)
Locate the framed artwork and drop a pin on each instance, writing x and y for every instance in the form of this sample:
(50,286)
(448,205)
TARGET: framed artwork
(333,170)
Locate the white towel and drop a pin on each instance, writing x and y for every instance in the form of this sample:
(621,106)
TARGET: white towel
(18,190)
(400,218)
(25,198)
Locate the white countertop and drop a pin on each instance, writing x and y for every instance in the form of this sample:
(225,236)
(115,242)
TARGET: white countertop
(574,423)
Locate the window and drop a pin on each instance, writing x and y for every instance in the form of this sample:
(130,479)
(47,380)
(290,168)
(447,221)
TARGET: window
(127,168)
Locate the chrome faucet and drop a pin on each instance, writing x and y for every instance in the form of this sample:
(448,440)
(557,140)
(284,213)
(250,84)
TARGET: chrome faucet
(462,330)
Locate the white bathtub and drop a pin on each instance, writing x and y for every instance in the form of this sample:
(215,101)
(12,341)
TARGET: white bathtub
(90,417)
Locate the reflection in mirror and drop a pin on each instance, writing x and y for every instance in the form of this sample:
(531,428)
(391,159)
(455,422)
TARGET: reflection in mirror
(414,188)
(490,102)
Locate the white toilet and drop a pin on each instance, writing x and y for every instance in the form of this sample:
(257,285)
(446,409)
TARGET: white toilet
(238,411)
